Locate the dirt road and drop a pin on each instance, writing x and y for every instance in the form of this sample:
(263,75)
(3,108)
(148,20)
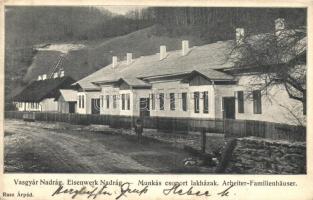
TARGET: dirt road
(32,148)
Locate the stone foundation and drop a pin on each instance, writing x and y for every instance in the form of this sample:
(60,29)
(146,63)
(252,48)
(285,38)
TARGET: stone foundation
(253,155)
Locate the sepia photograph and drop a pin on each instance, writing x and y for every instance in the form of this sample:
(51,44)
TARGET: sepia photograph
(155,90)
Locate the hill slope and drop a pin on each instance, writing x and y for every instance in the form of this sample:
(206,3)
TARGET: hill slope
(80,63)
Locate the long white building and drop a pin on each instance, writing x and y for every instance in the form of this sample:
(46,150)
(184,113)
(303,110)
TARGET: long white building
(194,82)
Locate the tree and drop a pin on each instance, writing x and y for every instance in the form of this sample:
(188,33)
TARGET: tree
(279,58)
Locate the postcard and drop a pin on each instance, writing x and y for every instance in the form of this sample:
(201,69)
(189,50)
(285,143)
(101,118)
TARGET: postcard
(156,100)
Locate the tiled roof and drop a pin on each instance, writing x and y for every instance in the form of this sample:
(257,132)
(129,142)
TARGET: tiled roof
(210,56)
(135,82)
(69,95)
(203,59)
(215,75)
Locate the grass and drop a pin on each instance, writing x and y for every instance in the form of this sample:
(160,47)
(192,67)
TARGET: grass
(93,57)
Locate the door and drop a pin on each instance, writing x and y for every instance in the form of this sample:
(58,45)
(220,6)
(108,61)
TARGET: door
(95,106)
(71,107)
(229,107)
(144,107)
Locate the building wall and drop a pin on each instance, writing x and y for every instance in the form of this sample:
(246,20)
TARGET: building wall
(49,105)
(220,92)
(28,106)
(109,90)
(276,104)
(212,101)
(81,109)
(135,100)
(134,95)
(20,106)
(177,87)
(86,109)
(168,87)
(63,106)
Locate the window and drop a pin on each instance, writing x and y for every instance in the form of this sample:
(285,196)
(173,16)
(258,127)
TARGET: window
(83,101)
(79,101)
(161,99)
(123,101)
(108,101)
(114,101)
(257,104)
(240,102)
(152,102)
(205,102)
(172,101)
(128,101)
(184,101)
(196,97)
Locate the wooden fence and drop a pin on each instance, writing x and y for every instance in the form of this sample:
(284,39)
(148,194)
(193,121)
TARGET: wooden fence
(276,131)
(229,127)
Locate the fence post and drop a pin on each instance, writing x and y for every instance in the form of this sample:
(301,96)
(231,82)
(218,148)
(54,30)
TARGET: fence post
(203,140)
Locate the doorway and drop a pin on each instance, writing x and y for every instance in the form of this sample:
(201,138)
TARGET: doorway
(95,106)
(228,107)
(71,107)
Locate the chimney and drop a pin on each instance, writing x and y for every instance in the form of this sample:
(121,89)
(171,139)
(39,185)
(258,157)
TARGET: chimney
(162,52)
(185,47)
(114,61)
(55,75)
(240,35)
(44,76)
(61,73)
(39,78)
(129,57)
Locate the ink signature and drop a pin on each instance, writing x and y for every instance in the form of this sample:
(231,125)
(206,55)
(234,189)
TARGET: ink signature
(176,189)
(127,188)
(93,193)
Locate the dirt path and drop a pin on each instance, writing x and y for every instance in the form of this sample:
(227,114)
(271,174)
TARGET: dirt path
(30,148)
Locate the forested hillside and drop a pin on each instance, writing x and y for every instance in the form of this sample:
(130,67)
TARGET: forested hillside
(105,34)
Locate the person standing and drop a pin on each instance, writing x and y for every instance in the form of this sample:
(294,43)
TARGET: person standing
(139,130)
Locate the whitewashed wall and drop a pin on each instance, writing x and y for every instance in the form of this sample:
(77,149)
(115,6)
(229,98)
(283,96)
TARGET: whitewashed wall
(21,106)
(220,92)
(212,101)
(276,104)
(135,100)
(49,105)
(63,106)
(87,101)
(26,106)
(167,88)
(109,90)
